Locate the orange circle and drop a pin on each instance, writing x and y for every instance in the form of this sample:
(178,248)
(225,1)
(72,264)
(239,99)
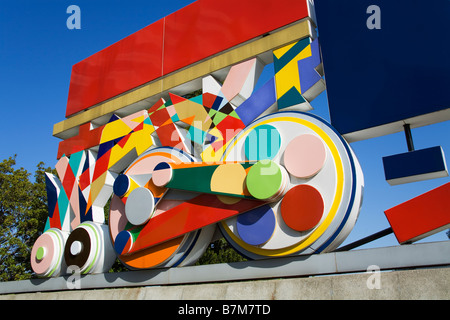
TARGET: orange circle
(302,207)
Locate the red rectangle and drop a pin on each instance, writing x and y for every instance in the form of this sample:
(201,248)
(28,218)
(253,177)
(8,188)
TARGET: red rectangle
(421,216)
(207,27)
(120,67)
(197,31)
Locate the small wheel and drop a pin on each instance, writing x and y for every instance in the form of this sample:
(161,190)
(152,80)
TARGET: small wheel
(47,253)
(88,249)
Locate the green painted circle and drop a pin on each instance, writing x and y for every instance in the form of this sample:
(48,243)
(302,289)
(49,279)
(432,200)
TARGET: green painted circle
(40,253)
(263,142)
(264,179)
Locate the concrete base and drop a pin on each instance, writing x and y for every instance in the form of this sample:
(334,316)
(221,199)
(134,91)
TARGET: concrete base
(427,283)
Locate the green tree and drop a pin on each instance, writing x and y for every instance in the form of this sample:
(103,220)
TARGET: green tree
(220,251)
(23,212)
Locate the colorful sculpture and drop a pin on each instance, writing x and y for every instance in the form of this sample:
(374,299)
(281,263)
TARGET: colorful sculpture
(225,157)
(240,155)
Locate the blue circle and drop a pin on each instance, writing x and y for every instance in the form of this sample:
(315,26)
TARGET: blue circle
(121,185)
(256,226)
(263,142)
(122,242)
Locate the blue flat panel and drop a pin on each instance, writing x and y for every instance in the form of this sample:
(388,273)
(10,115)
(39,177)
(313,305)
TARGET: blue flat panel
(380,76)
(416,165)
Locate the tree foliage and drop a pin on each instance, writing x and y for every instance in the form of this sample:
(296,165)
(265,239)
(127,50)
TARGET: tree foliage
(23,212)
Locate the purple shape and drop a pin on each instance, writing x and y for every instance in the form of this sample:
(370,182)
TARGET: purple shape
(306,68)
(256,226)
(259,101)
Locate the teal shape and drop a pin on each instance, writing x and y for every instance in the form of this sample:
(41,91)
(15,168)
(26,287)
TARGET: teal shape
(263,142)
(291,98)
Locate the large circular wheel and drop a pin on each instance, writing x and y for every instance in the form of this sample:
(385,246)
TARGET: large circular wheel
(321,201)
(137,199)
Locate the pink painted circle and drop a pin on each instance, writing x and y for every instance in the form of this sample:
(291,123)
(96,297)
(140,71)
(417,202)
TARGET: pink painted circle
(162,174)
(304,156)
(42,266)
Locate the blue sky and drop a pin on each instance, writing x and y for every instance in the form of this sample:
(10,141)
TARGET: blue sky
(37,52)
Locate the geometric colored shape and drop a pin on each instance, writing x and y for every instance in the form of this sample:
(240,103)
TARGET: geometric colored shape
(263,142)
(162,174)
(285,56)
(287,76)
(302,207)
(304,156)
(196,135)
(291,98)
(139,206)
(188,216)
(52,192)
(415,165)
(229,178)
(86,138)
(195,178)
(123,242)
(256,226)
(267,73)
(399,80)
(76,247)
(240,81)
(88,247)
(121,185)
(40,253)
(307,68)
(259,101)
(266,180)
(421,216)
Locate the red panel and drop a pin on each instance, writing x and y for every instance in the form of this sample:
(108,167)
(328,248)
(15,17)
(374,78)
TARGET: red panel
(204,28)
(207,27)
(120,67)
(420,216)
(191,215)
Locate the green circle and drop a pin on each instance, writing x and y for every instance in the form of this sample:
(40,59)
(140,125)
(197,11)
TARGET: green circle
(264,179)
(40,253)
(263,142)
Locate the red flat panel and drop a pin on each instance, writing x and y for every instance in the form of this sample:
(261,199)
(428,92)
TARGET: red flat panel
(202,29)
(207,27)
(120,67)
(421,216)
(85,139)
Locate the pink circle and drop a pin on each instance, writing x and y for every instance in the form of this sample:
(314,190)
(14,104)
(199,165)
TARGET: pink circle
(46,263)
(162,174)
(304,156)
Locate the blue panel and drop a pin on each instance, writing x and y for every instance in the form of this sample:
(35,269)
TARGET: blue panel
(267,74)
(414,163)
(256,226)
(121,185)
(380,76)
(52,196)
(258,102)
